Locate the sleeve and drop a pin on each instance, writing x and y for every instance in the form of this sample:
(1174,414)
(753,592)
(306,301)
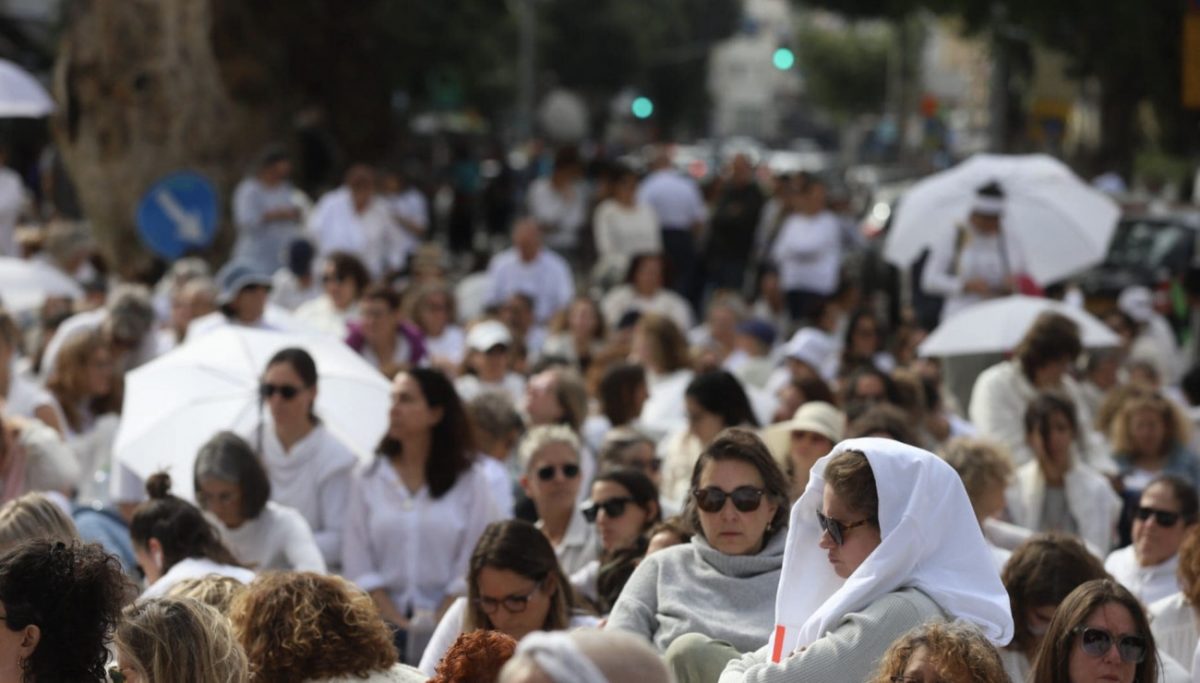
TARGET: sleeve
(636,610)
(334,502)
(936,279)
(806,241)
(602,230)
(52,464)
(480,511)
(443,637)
(247,208)
(359,563)
(299,546)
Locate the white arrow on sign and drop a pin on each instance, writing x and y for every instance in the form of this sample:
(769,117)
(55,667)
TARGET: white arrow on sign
(188,225)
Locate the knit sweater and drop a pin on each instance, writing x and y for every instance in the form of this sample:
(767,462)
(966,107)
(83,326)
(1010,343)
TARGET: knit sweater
(695,588)
(849,653)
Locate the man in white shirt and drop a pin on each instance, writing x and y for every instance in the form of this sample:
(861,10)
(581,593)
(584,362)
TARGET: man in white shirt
(12,200)
(354,219)
(559,202)
(530,269)
(677,202)
(808,250)
(410,214)
(980,263)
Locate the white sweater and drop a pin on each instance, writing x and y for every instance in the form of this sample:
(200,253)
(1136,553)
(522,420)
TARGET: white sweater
(278,538)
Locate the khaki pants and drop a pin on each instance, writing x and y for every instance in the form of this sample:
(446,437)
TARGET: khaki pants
(696,658)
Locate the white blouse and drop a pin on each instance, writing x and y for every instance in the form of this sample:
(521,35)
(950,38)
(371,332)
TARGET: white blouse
(278,538)
(1149,584)
(314,479)
(193,568)
(415,546)
(1173,623)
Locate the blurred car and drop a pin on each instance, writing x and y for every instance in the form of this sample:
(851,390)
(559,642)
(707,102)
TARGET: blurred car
(1152,251)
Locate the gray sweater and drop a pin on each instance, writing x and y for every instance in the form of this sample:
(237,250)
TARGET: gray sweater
(694,588)
(849,653)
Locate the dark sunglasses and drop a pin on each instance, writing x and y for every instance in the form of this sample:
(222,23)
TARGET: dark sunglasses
(286,391)
(712,499)
(1164,518)
(613,507)
(546,473)
(1097,641)
(837,530)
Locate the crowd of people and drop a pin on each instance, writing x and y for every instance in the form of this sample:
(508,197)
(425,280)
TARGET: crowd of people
(664,436)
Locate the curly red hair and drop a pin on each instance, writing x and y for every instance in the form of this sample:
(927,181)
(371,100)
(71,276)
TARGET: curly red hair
(477,656)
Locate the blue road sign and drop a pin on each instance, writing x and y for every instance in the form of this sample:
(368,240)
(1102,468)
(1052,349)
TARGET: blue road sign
(177,214)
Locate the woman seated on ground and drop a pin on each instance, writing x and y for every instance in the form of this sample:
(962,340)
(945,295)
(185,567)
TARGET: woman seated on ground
(1149,438)
(866,563)
(172,541)
(232,487)
(61,603)
(1055,490)
(177,639)
(624,505)
(1099,632)
(1039,576)
(344,279)
(738,507)
(31,517)
(301,626)
(1166,512)
(584,655)
(514,586)
(1175,620)
(550,463)
(476,656)
(985,470)
(578,336)
(941,652)
(799,442)
(37,459)
(660,347)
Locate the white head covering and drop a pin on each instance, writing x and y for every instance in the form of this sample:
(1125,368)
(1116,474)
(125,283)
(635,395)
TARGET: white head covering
(559,658)
(931,541)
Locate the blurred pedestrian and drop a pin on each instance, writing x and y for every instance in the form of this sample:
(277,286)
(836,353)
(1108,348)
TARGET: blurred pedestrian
(344,278)
(808,251)
(266,212)
(624,227)
(530,268)
(383,337)
(681,213)
(559,203)
(645,291)
(356,220)
(735,216)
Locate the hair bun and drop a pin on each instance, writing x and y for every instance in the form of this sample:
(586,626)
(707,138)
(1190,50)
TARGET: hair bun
(158,486)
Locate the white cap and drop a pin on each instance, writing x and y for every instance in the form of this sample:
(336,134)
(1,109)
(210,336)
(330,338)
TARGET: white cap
(487,334)
(814,348)
(1137,302)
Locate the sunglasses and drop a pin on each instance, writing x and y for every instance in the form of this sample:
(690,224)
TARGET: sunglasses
(514,604)
(837,530)
(613,507)
(569,471)
(1097,641)
(712,499)
(286,391)
(1161,517)
(651,465)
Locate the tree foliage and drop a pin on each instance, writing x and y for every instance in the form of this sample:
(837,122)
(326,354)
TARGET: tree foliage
(845,71)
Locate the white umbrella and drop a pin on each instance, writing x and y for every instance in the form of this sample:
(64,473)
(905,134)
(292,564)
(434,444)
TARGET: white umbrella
(24,285)
(1059,224)
(997,326)
(20,93)
(176,402)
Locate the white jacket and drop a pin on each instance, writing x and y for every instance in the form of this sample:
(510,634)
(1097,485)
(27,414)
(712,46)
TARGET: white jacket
(1091,499)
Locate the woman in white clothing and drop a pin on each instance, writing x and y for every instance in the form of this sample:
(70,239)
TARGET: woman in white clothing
(660,347)
(1174,620)
(1165,513)
(172,541)
(623,228)
(309,467)
(645,291)
(417,511)
(986,470)
(514,586)
(344,278)
(865,563)
(232,486)
(552,478)
(433,311)
(1055,491)
(21,397)
(579,336)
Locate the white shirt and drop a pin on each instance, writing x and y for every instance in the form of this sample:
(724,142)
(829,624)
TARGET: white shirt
(1149,584)
(413,545)
(499,483)
(809,253)
(194,568)
(450,345)
(625,298)
(675,198)
(470,386)
(990,258)
(322,316)
(370,235)
(663,411)
(561,217)
(259,241)
(1173,623)
(278,538)
(579,545)
(85,323)
(12,198)
(1092,503)
(287,293)
(622,232)
(546,279)
(25,397)
(314,478)
(411,206)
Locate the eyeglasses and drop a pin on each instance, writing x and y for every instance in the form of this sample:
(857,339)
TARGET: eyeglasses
(837,530)
(286,391)
(569,471)
(1097,641)
(712,499)
(513,604)
(613,507)
(1161,517)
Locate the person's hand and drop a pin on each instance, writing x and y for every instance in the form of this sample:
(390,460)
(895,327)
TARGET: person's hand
(977,286)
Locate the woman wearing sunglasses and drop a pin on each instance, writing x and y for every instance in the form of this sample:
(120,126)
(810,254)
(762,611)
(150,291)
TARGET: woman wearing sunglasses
(309,467)
(514,586)
(883,538)
(552,478)
(721,586)
(1098,633)
(417,511)
(1165,512)
(623,507)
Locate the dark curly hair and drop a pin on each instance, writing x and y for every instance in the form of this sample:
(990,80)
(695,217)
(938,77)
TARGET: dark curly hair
(73,594)
(477,656)
(299,626)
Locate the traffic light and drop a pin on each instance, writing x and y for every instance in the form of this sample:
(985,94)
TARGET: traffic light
(784,58)
(642,107)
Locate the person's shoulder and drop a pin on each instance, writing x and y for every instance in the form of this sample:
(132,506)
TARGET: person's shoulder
(905,600)
(1119,559)
(1168,607)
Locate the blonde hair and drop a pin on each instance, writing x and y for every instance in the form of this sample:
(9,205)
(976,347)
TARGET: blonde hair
(540,437)
(957,651)
(68,380)
(214,590)
(1174,423)
(34,516)
(980,463)
(180,639)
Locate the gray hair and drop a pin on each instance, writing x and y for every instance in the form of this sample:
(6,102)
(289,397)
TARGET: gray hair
(130,312)
(493,413)
(540,437)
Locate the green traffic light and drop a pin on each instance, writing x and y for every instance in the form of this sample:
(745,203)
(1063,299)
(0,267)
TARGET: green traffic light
(642,107)
(784,59)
